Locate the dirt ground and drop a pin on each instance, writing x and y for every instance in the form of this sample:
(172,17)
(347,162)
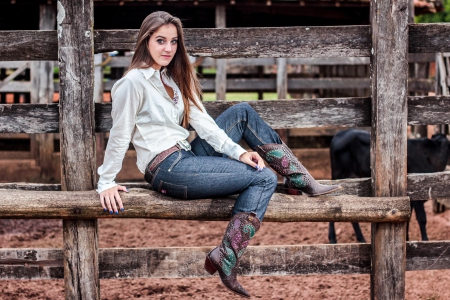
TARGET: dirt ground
(432,285)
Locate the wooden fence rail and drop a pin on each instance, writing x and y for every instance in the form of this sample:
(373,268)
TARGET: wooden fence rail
(300,113)
(337,41)
(420,186)
(177,262)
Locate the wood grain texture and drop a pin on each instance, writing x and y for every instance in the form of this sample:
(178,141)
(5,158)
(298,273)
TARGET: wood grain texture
(420,186)
(178,262)
(295,113)
(77,142)
(337,41)
(41,77)
(389,73)
(142,203)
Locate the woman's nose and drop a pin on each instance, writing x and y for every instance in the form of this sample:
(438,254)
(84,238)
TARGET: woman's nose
(168,47)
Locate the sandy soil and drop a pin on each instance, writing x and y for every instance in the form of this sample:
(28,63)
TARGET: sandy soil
(430,285)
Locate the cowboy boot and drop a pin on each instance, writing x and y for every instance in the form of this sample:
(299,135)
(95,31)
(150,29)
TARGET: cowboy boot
(282,160)
(225,258)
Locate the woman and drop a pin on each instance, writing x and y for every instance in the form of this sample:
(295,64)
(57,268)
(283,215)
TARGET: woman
(154,103)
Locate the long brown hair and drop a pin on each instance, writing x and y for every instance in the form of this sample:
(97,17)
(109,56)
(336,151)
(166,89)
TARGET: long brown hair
(179,68)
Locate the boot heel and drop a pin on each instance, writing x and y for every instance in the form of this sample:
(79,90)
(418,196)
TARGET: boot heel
(292,191)
(209,266)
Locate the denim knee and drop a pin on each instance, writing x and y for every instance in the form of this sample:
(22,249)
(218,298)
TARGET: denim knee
(271,178)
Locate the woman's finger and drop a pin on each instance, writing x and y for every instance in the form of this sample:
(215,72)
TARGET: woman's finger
(119,200)
(113,203)
(108,204)
(102,201)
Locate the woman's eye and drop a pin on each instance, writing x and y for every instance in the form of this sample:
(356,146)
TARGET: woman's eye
(174,42)
(160,41)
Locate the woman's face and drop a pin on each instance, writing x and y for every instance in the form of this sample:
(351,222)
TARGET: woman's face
(163,45)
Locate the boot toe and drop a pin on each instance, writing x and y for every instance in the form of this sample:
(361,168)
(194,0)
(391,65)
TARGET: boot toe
(235,287)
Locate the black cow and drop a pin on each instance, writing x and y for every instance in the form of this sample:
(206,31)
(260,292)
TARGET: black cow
(350,158)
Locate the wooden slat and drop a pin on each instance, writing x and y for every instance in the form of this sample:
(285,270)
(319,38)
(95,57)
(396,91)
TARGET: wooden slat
(429,38)
(303,113)
(349,112)
(16,87)
(420,186)
(141,203)
(177,262)
(338,41)
(428,110)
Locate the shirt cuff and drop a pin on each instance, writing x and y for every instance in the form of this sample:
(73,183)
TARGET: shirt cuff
(237,152)
(103,187)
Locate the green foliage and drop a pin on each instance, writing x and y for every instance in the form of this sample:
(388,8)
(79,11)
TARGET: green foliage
(443,16)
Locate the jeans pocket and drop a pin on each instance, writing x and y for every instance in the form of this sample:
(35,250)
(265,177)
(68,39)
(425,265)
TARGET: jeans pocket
(173,190)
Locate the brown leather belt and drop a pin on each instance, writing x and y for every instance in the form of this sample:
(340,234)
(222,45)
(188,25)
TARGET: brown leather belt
(155,162)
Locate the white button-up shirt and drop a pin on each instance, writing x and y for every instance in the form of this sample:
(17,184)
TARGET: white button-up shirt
(144,114)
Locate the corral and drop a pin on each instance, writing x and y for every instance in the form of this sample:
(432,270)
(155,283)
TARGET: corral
(382,200)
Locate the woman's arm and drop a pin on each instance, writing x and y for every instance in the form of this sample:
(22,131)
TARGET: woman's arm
(208,130)
(125,106)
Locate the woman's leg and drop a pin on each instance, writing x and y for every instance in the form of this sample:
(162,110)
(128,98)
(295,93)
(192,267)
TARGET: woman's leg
(241,121)
(184,175)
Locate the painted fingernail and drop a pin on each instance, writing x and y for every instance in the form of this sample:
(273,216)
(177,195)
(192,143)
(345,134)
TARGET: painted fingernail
(105,210)
(122,209)
(117,212)
(111,212)
(128,190)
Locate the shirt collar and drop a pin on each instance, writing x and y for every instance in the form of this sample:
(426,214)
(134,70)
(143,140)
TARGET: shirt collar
(147,72)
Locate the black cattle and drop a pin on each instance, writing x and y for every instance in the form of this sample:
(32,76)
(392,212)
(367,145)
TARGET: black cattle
(350,158)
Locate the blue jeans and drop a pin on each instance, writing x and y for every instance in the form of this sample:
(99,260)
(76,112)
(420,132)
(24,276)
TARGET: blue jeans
(205,173)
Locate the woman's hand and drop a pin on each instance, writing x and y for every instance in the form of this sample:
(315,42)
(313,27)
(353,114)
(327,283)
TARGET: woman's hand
(253,159)
(109,197)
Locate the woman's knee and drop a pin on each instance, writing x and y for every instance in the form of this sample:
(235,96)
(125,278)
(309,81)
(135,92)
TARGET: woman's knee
(270,178)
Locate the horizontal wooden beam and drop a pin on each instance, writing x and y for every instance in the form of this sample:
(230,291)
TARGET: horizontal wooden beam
(143,203)
(301,113)
(178,262)
(420,186)
(125,61)
(322,41)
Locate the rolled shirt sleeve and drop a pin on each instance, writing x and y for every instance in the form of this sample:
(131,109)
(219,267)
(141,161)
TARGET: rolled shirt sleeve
(125,105)
(208,130)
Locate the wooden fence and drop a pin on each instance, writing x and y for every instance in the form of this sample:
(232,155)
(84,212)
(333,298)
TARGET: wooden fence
(382,200)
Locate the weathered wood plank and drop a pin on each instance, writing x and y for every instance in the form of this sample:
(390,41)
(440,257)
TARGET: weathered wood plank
(221,64)
(41,77)
(282,80)
(303,113)
(16,87)
(429,38)
(300,113)
(177,262)
(337,41)
(389,73)
(420,186)
(426,110)
(141,203)
(77,142)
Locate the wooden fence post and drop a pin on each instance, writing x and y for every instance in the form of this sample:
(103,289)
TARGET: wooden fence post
(42,92)
(221,64)
(77,138)
(282,78)
(389,64)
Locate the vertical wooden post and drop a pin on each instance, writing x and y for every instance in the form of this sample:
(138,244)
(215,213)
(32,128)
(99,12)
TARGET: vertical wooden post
(221,64)
(42,92)
(77,138)
(389,68)
(282,78)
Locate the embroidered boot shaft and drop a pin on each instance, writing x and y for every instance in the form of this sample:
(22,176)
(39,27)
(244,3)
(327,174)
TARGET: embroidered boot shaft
(282,160)
(225,258)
